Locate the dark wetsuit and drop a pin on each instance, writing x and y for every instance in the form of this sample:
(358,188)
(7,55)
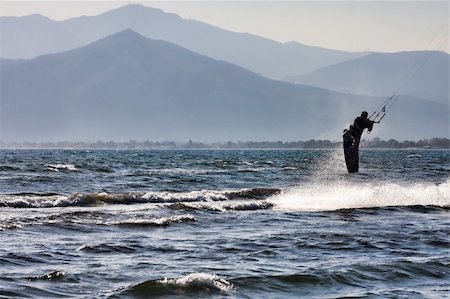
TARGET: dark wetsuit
(357,128)
(352,137)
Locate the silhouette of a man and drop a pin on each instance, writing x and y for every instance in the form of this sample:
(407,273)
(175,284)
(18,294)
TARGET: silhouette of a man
(360,123)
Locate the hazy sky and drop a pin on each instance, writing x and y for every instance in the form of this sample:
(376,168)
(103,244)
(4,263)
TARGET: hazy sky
(351,25)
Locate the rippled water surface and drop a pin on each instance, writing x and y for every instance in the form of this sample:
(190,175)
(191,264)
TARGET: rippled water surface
(213,224)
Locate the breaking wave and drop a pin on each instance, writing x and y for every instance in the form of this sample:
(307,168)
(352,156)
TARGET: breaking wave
(34,200)
(199,280)
(189,285)
(61,167)
(342,282)
(96,218)
(239,206)
(335,196)
(157,222)
(55,275)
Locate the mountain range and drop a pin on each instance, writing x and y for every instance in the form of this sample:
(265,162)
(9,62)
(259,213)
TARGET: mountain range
(423,74)
(30,36)
(127,86)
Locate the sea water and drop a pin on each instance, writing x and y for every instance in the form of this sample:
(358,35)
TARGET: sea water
(224,224)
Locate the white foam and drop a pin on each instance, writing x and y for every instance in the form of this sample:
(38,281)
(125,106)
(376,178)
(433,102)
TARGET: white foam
(200,280)
(203,195)
(57,167)
(162,221)
(82,247)
(174,219)
(289,168)
(334,196)
(34,201)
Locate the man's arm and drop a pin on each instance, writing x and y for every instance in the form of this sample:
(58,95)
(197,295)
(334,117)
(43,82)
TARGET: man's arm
(370,125)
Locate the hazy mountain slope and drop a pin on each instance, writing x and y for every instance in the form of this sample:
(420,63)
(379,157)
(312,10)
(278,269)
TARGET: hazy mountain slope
(28,37)
(129,87)
(421,74)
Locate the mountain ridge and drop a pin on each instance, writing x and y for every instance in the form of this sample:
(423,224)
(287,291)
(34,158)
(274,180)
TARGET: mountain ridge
(261,55)
(423,74)
(127,86)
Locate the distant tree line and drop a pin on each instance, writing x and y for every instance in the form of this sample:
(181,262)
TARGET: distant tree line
(392,143)
(433,143)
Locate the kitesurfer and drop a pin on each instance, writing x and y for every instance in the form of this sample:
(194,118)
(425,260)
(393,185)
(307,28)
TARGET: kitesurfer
(352,137)
(360,123)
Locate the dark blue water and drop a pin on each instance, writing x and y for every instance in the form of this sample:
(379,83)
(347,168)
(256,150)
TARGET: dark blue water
(213,224)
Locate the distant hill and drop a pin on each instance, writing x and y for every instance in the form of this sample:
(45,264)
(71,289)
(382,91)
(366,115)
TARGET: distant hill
(31,36)
(420,74)
(34,35)
(127,87)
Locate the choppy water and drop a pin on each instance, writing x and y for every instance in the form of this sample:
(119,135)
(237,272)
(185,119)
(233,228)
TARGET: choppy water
(213,224)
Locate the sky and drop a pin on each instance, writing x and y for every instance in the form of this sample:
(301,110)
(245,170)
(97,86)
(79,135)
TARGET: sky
(381,26)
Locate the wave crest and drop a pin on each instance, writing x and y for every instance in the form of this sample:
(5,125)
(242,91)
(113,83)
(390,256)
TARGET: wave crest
(93,199)
(61,167)
(329,197)
(157,222)
(190,286)
(203,281)
(55,275)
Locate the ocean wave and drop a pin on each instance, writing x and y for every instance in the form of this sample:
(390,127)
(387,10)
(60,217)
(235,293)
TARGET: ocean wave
(195,207)
(55,275)
(189,285)
(256,193)
(106,248)
(249,206)
(94,218)
(158,222)
(340,281)
(34,200)
(405,269)
(344,195)
(4,226)
(22,259)
(288,168)
(200,281)
(61,167)
(217,207)
(352,276)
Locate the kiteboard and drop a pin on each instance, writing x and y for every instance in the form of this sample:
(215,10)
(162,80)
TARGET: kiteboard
(351,152)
